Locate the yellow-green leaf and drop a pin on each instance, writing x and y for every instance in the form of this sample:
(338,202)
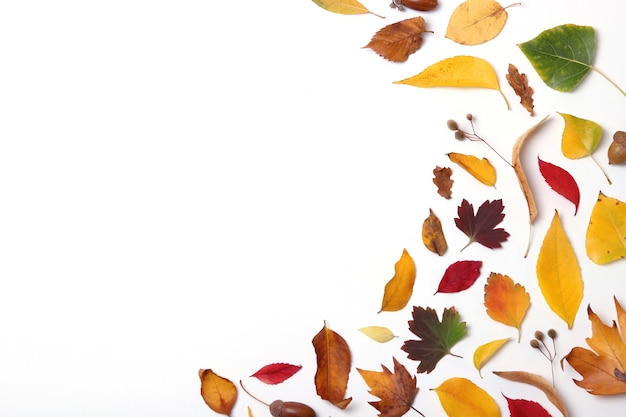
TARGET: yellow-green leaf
(476,21)
(460,71)
(399,289)
(378,333)
(558,273)
(606,233)
(460,397)
(481,169)
(580,136)
(483,353)
(343,6)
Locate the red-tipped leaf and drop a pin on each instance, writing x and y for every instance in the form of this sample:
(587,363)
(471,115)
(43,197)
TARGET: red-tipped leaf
(276,373)
(560,181)
(459,276)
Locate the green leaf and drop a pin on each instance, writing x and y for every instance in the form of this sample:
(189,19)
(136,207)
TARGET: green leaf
(563,55)
(437,338)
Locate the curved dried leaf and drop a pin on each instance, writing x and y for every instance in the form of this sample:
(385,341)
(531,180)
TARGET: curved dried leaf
(525,408)
(343,6)
(276,373)
(558,273)
(536,381)
(460,397)
(378,333)
(432,235)
(484,352)
(606,233)
(459,276)
(476,21)
(519,84)
(399,289)
(397,41)
(560,181)
(443,181)
(507,302)
(333,367)
(218,393)
(481,169)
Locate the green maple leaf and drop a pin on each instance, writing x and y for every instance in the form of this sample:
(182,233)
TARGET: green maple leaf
(437,337)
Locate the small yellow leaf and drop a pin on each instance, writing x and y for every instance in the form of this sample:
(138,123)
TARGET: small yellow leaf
(378,333)
(343,6)
(606,233)
(460,397)
(250,412)
(459,71)
(580,136)
(481,169)
(218,393)
(558,273)
(399,289)
(476,21)
(485,352)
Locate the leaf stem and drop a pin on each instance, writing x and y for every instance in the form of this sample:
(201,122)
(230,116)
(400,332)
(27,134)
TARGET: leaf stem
(475,136)
(601,169)
(418,411)
(609,80)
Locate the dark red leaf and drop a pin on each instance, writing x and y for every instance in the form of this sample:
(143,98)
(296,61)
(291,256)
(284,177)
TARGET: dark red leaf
(276,373)
(459,276)
(526,408)
(560,181)
(481,227)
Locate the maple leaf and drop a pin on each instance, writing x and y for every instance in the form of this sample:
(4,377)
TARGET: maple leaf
(479,227)
(519,84)
(396,390)
(397,41)
(437,338)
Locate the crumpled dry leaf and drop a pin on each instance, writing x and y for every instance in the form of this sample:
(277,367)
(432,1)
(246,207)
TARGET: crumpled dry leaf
(536,381)
(333,367)
(519,84)
(443,181)
(397,41)
(476,21)
(432,235)
(218,393)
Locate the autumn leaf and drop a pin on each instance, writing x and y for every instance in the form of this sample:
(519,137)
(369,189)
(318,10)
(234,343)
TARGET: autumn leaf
(560,181)
(459,276)
(606,233)
(476,21)
(395,42)
(343,6)
(480,227)
(443,181)
(218,393)
(437,337)
(484,352)
(459,71)
(603,369)
(378,333)
(432,235)
(519,84)
(481,169)
(536,381)
(558,273)
(506,301)
(525,408)
(276,373)
(333,367)
(460,397)
(396,390)
(399,289)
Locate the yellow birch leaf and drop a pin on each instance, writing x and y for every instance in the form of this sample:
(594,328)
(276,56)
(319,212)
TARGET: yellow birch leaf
(558,273)
(343,6)
(606,233)
(483,353)
(399,289)
(218,393)
(476,21)
(460,397)
(460,71)
(506,301)
(378,333)
(481,169)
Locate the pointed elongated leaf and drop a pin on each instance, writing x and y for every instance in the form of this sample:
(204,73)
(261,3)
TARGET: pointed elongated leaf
(333,366)
(343,6)
(432,235)
(484,352)
(276,373)
(606,233)
(399,289)
(476,21)
(378,333)
(525,408)
(459,276)
(506,301)
(218,392)
(397,41)
(460,397)
(536,381)
(558,273)
(481,169)
(560,181)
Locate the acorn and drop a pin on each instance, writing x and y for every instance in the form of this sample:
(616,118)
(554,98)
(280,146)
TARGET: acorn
(421,5)
(617,149)
(281,408)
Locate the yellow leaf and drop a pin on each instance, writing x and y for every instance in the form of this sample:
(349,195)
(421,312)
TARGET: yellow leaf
(459,71)
(343,6)
(460,397)
(218,393)
(399,289)
(250,412)
(485,352)
(378,333)
(580,136)
(476,21)
(481,169)
(606,233)
(506,301)
(559,274)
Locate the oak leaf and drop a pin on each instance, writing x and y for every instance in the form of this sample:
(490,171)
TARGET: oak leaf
(560,181)
(604,368)
(480,227)
(399,289)
(459,276)
(443,181)
(606,233)
(476,21)
(506,301)
(437,337)
(519,84)
(525,408)
(460,397)
(378,333)
(333,366)
(432,235)
(481,169)
(276,373)
(397,41)
(396,390)
(218,392)
(343,6)
(484,352)
(539,382)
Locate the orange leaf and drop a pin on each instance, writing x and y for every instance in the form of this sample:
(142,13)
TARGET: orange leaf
(333,367)
(506,301)
(218,393)
(396,390)
(397,41)
(399,289)
(519,84)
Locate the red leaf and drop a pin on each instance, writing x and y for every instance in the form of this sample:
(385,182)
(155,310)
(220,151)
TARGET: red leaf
(459,276)
(276,373)
(480,227)
(560,181)
(526,408)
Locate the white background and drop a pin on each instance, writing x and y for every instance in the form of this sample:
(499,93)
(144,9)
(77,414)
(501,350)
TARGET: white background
(200,184)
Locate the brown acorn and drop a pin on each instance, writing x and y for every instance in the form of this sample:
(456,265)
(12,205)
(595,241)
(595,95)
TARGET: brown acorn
(617,149)
(421,5)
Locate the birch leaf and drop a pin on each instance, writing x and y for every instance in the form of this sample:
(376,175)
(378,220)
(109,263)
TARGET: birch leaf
(483,353)
(460,71)
(397,41)
(476,21)
(481,169)
(378,333)
(606,233)
(580,136)
(218,393)
(558,273)
(432,235)
(506,301)
(460,397)
(399,289)
(343,6)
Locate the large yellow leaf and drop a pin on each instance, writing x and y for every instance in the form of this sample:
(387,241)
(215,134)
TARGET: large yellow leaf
(343,6)
(399,289)
(606,233)
(559,274)
(459,71)
(485,352)
(460,397)
(476,21)
(481,169)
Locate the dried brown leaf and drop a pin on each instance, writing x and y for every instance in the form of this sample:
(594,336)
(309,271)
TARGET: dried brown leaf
(333,366)
(519,84)
(432,235)
(397,41)
(443,181)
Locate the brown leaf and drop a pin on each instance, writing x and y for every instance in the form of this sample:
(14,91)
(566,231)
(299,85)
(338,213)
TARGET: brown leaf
(333,367)
(519,83)
(218,393)
(397,41)
(432,235)
(443,181)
